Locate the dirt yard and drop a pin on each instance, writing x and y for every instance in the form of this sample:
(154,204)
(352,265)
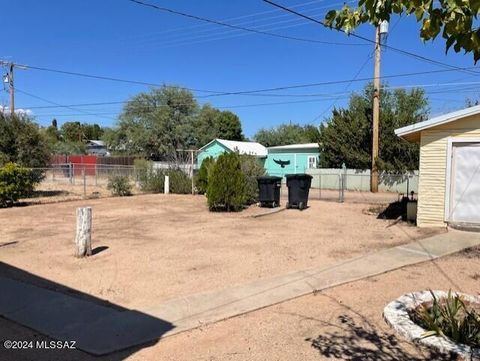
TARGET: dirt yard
(343,323)
(152,248)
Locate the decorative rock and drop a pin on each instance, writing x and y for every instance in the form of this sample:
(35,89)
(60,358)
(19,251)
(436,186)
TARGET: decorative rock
(397,315)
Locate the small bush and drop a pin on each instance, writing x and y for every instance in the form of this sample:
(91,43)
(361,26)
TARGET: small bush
(226,188)
(152,180)
(201,181)
(15,182)
(119,185)
(180,182)
(251,169)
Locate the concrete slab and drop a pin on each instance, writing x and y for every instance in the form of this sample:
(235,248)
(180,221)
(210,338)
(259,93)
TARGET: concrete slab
(96,329)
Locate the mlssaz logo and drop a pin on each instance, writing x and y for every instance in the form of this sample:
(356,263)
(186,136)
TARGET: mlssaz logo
(281,163)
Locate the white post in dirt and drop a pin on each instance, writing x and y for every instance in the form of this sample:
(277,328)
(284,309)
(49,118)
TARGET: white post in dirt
(166,185)
(83,239)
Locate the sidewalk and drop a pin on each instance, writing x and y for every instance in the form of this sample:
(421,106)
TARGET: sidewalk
(99,329)
(199,309)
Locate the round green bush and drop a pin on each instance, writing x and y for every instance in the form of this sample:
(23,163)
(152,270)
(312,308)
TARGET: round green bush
(226,190)
(15,182)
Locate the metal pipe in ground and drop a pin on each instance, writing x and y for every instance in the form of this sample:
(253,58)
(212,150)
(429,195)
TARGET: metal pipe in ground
(84,183)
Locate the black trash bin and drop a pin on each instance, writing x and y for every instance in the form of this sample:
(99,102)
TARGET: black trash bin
(269,191)
(298,188)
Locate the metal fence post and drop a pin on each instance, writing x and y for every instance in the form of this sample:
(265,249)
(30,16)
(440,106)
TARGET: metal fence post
(344,169)
(341,182)
(84,182)
(319,185)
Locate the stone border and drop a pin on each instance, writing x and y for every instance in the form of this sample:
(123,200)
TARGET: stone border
(396,314)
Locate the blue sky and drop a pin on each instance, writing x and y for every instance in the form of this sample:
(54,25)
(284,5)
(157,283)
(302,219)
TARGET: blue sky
(117,38)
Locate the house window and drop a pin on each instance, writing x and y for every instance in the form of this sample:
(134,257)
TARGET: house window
(312,161)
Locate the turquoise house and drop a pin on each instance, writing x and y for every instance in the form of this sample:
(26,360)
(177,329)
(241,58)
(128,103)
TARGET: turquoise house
(292,159)
(278,161)
(219,146)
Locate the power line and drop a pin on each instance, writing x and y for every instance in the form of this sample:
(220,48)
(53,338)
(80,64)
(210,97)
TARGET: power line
(401,51)
(334,82)
(214,35)
(261,92)
(57,104)
(341,95)
(101,77)
(369,56)
(200,26)
(221,23)
(192,27)
(243,92)
(228,34)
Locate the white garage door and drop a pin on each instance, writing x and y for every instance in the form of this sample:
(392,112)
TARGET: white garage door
(465,188)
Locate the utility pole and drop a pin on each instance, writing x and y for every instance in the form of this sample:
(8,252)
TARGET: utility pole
(10,65)
(380,31)
(376,113)
(11,88)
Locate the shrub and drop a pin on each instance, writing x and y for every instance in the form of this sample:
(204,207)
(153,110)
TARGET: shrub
(15,183)
(152,180)
(201,181)
(251,168)
(119,185)
(450,317)
(180,182)
(21,142)
(226,188)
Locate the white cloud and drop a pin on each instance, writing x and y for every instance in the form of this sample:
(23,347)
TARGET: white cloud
(5,109)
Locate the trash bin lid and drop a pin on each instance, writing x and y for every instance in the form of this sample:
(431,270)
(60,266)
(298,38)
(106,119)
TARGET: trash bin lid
(269,178)
(298,176)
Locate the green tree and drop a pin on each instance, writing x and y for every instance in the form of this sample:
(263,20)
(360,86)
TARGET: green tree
(455,19)
(79,132)
(286,134)
(22,142)
(52,132)
(228,126)
(72,132)
(212,123)
(156,123)
(92,131)
(346,137)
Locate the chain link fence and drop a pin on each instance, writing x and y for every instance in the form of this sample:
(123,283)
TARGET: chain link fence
(350,185)
(80,181)
(346,185)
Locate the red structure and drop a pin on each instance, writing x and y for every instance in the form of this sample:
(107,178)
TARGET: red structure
(81,163)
